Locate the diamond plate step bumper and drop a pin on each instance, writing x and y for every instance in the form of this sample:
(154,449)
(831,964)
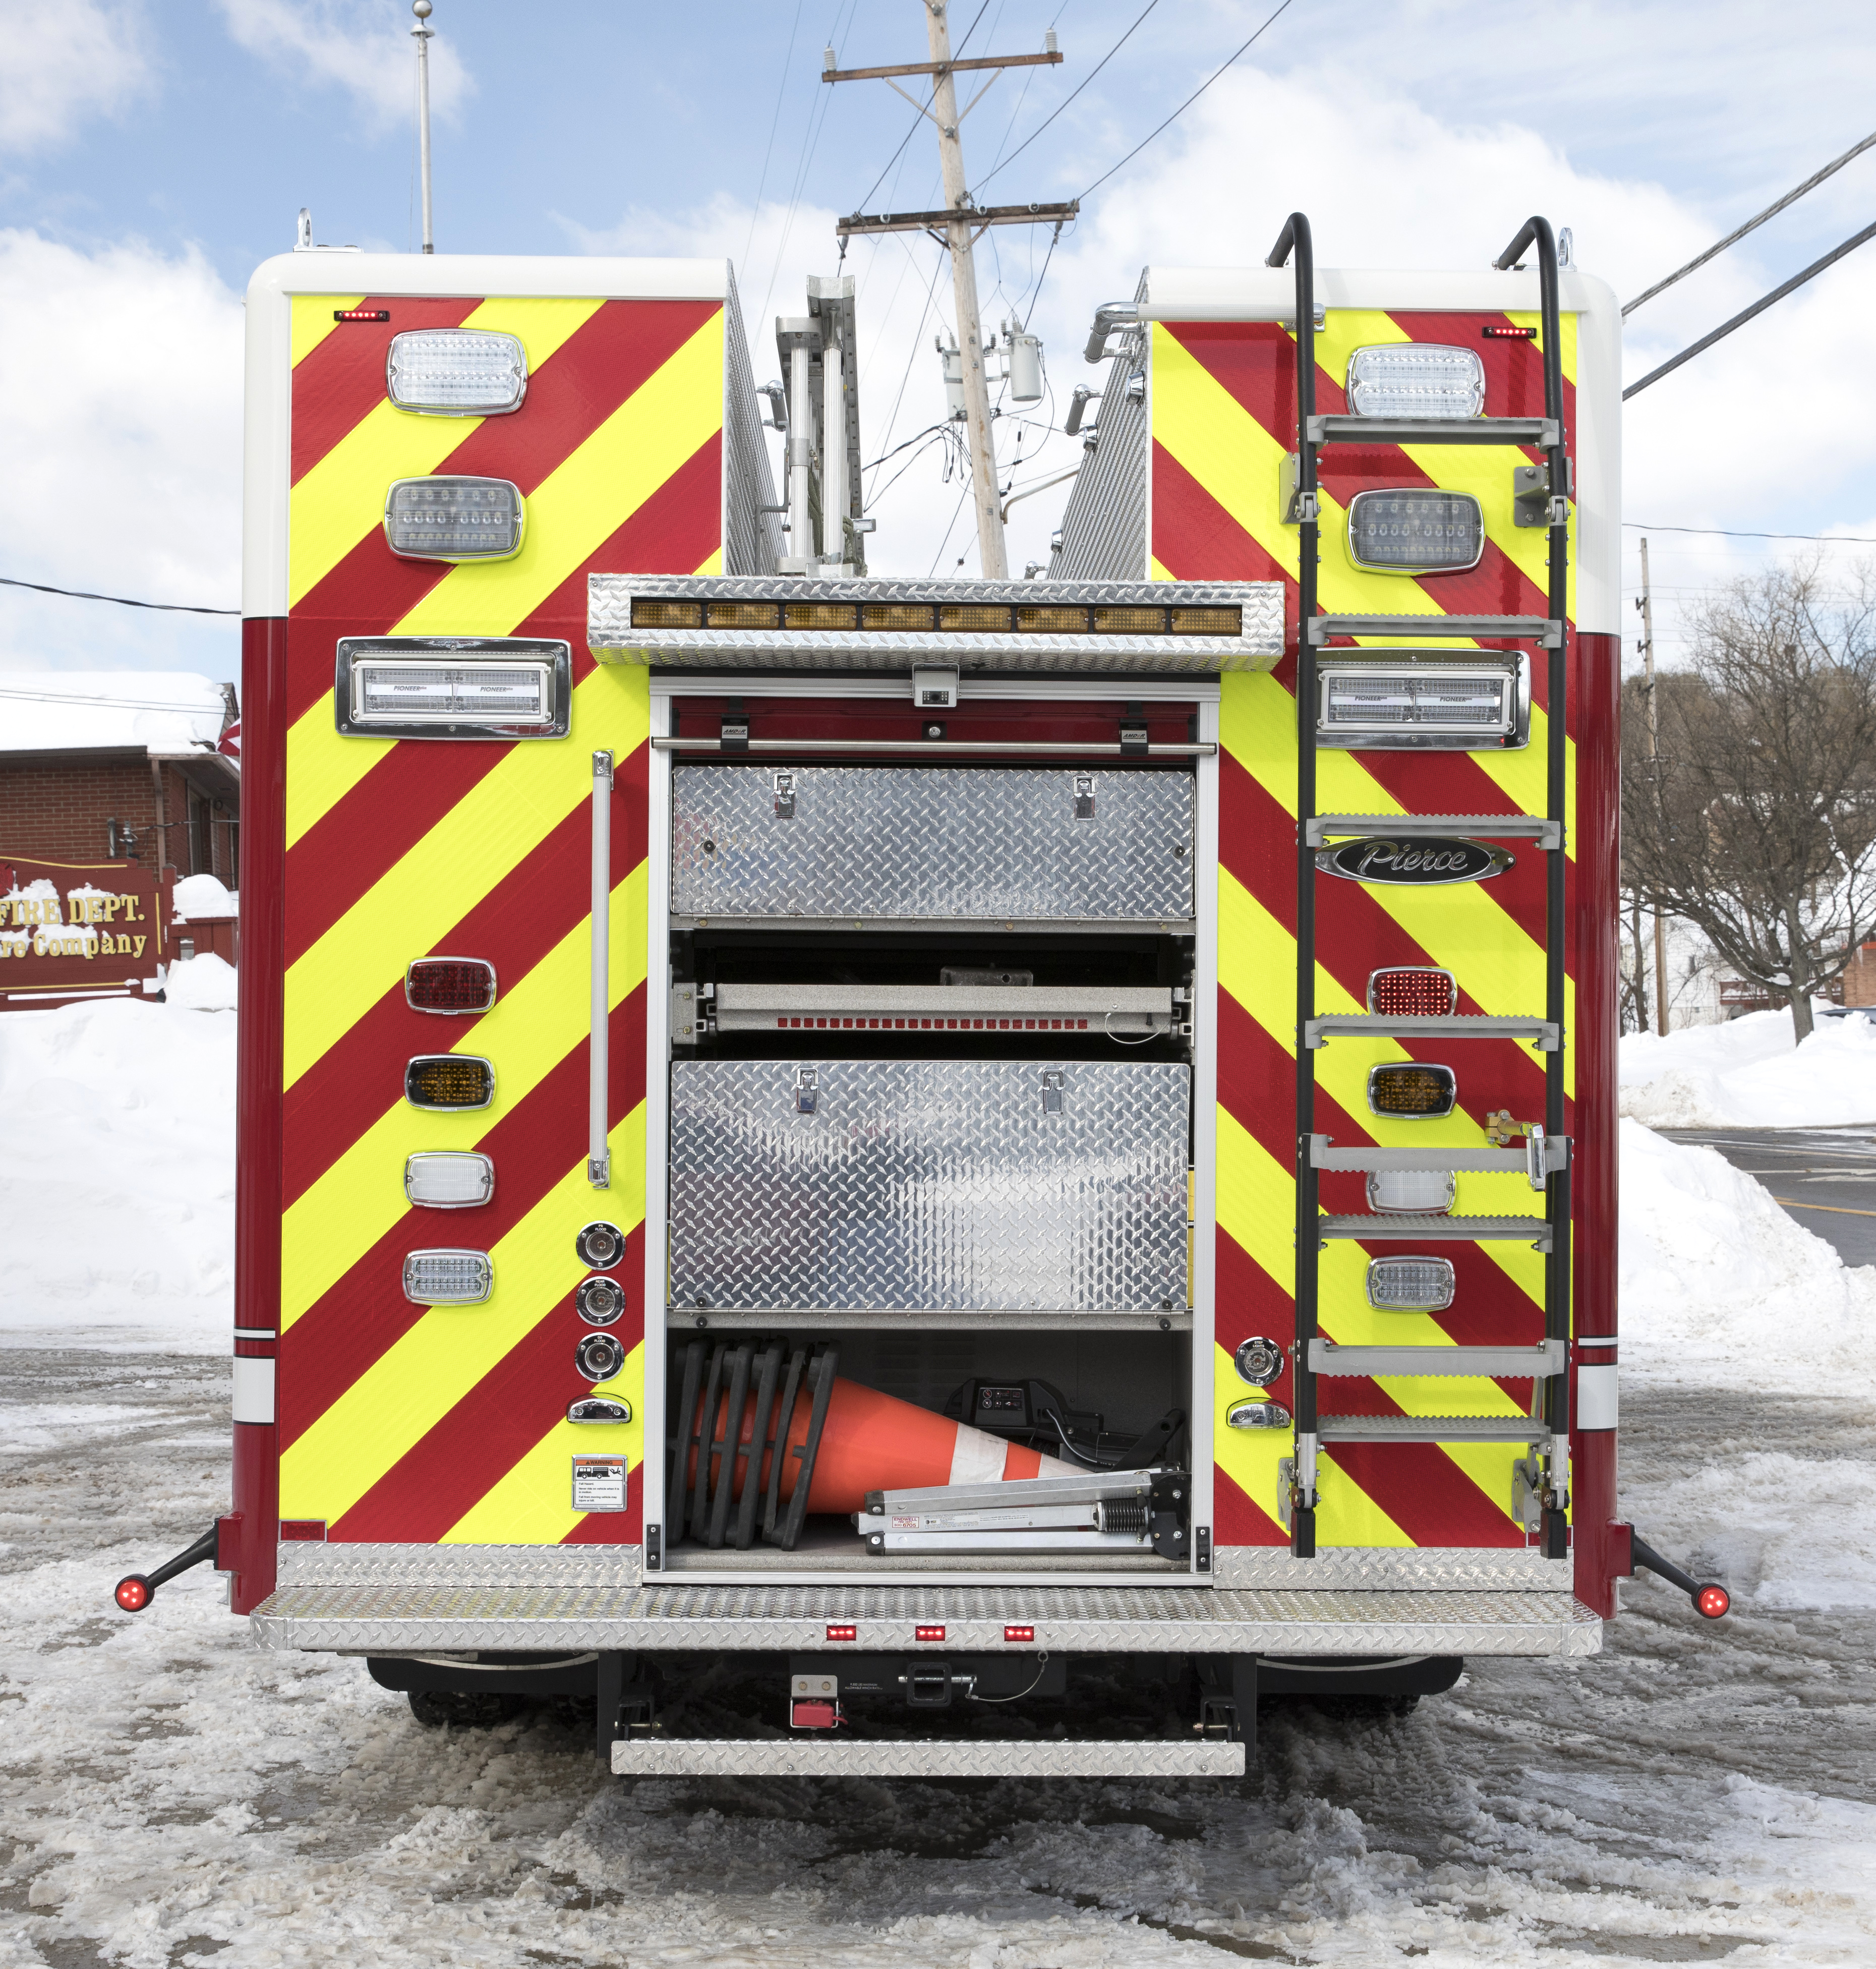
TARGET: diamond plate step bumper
(1089,1619)
(835,1756)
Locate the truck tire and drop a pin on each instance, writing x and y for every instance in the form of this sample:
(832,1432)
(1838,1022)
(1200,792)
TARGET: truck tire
(472,1710)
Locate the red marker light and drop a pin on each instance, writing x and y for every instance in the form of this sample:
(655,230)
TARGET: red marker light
(133,1593)
(362,314)
(1412,991)
(1018,1633)
(840,1632)
(924,1633)
(1494,333)
(1713,1602)
(449,984)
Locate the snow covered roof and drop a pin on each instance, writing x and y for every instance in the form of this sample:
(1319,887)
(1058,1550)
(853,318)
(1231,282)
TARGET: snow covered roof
(157,711)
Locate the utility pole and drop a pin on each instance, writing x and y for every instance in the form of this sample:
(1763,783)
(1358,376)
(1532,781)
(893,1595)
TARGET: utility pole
(423,32)
(1654,751)
(961,223)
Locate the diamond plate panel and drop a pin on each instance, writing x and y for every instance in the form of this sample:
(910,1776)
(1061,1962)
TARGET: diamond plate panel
(1452,1569)
(985,842)
(802,1756)
(932,1185)
(308,1563)
(1088,1619)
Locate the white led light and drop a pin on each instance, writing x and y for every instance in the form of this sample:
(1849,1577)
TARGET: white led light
(1416,379)
(1479,698)
(1410,1285)
(456,372)
(1413,1193)
(453,687)
(448,693)
(448,1278)
(448,1180)
(1416,529)
(456,519)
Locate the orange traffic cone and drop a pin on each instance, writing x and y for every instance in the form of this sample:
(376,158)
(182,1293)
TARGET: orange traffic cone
(872,1442)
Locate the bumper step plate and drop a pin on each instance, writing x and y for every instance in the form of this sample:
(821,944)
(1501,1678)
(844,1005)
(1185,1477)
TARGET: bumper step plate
(836,1756)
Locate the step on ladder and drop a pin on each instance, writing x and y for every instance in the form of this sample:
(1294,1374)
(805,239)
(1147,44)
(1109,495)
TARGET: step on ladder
(1545,1159)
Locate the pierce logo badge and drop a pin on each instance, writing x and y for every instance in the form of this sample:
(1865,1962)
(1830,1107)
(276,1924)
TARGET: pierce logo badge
(1433,859)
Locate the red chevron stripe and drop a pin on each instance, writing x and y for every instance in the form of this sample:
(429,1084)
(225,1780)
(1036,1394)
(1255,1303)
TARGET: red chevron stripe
(1236,1520)
(362,1315)
(1514,369)
(1425,1492)
(1195,538)
(340,382)
(1250,1301)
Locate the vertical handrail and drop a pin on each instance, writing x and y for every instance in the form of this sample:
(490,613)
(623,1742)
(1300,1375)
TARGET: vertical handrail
(1295,237)
(1557,1322)
(598,1150)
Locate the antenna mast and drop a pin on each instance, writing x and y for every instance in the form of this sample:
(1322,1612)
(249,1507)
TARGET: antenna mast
(422,32)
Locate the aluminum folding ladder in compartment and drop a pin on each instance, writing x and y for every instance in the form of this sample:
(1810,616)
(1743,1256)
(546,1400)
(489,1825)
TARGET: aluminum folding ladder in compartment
(1548,1431)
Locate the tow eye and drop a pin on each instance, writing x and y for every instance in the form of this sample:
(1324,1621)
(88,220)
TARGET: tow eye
(136,1592)
(1711,1600)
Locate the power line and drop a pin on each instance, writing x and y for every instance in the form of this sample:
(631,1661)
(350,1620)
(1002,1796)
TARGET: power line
(919,119)
(197,710)
(1759,306)
(1727,534)
(775,121)
(1284,9)
(1091,74)
(122,600)
(1770,212)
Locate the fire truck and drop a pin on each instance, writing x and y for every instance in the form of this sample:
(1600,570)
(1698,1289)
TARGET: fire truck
(921,1140)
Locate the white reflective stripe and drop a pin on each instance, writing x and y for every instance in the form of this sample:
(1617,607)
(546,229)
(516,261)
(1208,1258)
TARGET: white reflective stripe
(1597,1394)
(253,1389)
(977,1457)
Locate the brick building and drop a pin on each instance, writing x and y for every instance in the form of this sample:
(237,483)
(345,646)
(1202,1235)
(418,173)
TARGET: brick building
(121,766)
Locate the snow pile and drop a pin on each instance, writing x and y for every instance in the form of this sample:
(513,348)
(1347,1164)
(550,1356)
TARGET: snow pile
(204,983)
(201,896)
(1748,1074)
(166,710)
(117,1170)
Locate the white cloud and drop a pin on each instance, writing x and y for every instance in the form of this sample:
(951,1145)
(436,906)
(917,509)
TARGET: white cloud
(120,420)
(65,59)
(364,49)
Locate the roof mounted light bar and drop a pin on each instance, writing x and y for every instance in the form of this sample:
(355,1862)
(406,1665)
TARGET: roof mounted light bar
(1186,627)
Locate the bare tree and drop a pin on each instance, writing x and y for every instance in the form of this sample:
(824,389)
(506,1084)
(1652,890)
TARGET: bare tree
(1758,822)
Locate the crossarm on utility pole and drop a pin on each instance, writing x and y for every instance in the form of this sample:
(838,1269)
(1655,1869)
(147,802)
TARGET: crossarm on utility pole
(939,68)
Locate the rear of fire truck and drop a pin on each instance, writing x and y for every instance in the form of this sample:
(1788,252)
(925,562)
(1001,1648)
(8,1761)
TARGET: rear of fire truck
(941,1146)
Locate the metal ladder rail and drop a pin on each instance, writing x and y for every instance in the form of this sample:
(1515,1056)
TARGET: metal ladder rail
(1296,238)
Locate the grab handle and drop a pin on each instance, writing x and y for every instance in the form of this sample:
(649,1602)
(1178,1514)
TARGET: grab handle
(599,1152)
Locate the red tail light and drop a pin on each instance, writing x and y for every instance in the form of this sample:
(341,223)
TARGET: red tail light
(1713,1602)
(455,985)
(1412,991)
(928,1633)
(842,1631)
(1018,1633)
(133,1593)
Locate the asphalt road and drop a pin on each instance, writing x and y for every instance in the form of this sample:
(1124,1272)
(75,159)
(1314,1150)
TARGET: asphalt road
(1825,1178)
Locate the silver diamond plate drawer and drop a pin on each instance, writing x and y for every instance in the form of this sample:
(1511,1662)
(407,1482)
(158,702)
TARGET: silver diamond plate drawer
(928,1185)
(985,843)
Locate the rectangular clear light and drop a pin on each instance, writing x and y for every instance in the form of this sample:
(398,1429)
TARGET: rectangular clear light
(1474,698)
(456,372)
(440,1179)
(1416,529)
(1417,379)
(1410,1285)
(448,1278)
(416,693)
(454,519)
(1413,1193)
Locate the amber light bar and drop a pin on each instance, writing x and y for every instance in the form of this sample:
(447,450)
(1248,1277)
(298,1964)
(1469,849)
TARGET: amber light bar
(974,618)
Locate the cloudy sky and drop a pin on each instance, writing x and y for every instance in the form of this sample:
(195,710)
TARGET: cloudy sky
(153,151)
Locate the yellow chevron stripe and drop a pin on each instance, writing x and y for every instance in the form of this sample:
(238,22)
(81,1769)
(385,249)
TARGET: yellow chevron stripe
(535,1023)
(532,1504)
(577,507)
(487,833)
(312,318)
(1249,1457)
(410,1388)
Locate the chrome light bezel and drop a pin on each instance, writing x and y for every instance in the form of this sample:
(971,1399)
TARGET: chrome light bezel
(1444,1208)
(1511,733)
(459,556)
(450,1107)
(599,1300)
(1257,1415)
(598,1357)
(485,1277)
(1353,383)
(1412,1066)
(1376,1266)
(451,1012)
(1259,1361)
(1419,970)
(506,405)
(359,656)
(456,1158)
(1416,493)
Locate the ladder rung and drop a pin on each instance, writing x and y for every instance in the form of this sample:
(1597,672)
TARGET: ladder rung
(1460,1162)
(1374,1225)
(1328,429)
(1431,1429)
(1539,1362)
(1455,1026)
(1548,834)
(1516,628)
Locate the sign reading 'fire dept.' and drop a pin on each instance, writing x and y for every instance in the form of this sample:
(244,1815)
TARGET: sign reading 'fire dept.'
(85,930)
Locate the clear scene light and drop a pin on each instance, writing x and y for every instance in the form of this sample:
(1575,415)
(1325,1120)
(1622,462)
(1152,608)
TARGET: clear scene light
(1416,530)
(453,519)
(456,372)
(448,1278)
(440,1180)
(1411,1090)
(1412,991)
(449,984)
(413,693)
(1416,379)
(1407,702)
(1412,1192)
(1257,1415)
(1410,1285)
(446,1080)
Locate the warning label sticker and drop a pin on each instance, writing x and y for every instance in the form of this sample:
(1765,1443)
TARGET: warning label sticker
(599,1483)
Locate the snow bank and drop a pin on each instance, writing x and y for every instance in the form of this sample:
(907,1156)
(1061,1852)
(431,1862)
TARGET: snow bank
(204,983)
(201,896)
(1748,1074)
(117,1171)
